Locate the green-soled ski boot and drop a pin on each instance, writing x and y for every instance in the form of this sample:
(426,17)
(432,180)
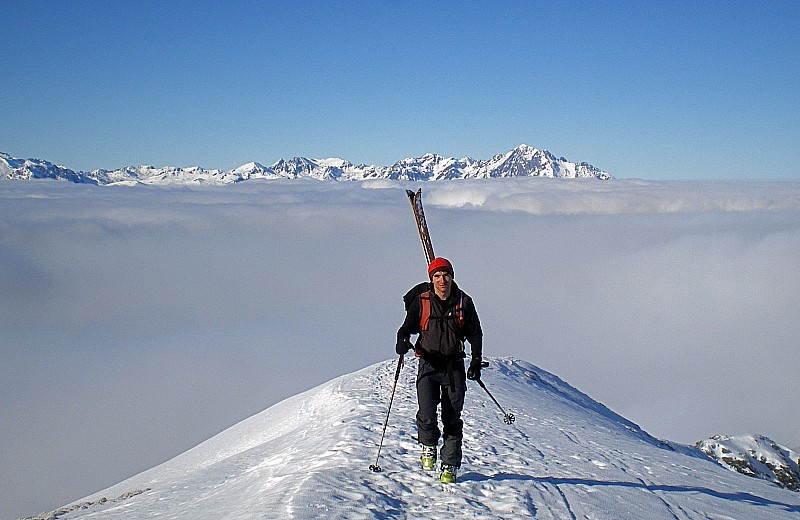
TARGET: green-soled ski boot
(449,474)
(428,458)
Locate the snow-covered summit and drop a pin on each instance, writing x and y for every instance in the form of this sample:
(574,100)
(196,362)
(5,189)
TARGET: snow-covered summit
(566,456)
(521,161)
(755,456)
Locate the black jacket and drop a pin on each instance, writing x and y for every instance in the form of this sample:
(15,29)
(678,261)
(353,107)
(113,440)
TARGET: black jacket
(443,338)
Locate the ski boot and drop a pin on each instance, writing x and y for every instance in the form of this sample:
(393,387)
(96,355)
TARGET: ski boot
(428,458)
(449,474)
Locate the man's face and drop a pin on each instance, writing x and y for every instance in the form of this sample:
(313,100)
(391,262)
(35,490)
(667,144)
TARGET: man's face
(441,284)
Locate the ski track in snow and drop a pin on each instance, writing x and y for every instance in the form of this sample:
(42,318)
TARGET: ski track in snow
(565,457)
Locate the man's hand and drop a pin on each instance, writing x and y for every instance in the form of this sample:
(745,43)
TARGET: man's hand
(474,370)
(403,346)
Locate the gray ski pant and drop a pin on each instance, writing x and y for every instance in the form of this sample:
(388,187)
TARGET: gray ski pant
(445,386)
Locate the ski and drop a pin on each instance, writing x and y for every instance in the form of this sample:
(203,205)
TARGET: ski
(422,226)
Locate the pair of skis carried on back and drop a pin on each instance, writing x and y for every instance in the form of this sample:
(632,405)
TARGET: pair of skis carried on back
(422,226)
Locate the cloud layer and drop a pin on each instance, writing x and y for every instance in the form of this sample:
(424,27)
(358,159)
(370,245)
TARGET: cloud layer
(140,321)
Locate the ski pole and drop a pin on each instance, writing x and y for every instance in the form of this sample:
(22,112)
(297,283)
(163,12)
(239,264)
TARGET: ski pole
(508,418)
(375,467)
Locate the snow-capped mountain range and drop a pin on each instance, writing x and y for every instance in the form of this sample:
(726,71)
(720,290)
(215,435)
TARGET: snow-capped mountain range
(565,456)
(522,161)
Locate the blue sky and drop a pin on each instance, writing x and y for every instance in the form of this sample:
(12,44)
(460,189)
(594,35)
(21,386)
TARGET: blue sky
(664,90)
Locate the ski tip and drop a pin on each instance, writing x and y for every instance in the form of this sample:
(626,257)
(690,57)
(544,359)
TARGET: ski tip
(410,194)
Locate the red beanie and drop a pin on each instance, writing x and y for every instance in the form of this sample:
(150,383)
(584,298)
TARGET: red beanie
(440,264)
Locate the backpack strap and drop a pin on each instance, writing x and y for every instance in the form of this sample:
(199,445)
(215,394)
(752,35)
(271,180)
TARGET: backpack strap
(425,310)
(459,313)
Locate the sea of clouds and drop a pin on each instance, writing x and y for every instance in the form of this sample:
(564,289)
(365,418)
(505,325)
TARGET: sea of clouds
(139,321)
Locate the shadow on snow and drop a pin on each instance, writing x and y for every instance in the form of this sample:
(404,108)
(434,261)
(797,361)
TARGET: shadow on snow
(736,497)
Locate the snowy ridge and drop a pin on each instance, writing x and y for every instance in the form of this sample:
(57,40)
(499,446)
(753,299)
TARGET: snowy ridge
(523,161)
(566,456)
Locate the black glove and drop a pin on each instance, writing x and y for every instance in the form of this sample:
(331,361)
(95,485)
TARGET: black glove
(403,346)
(474,370)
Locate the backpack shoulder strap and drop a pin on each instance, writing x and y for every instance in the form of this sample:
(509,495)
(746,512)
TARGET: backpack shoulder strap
(425,310)
(459,313)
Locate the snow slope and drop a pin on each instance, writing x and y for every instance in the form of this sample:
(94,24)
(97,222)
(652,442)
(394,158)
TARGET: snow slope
(565,457)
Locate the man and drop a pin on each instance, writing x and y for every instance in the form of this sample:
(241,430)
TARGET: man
(443,316)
